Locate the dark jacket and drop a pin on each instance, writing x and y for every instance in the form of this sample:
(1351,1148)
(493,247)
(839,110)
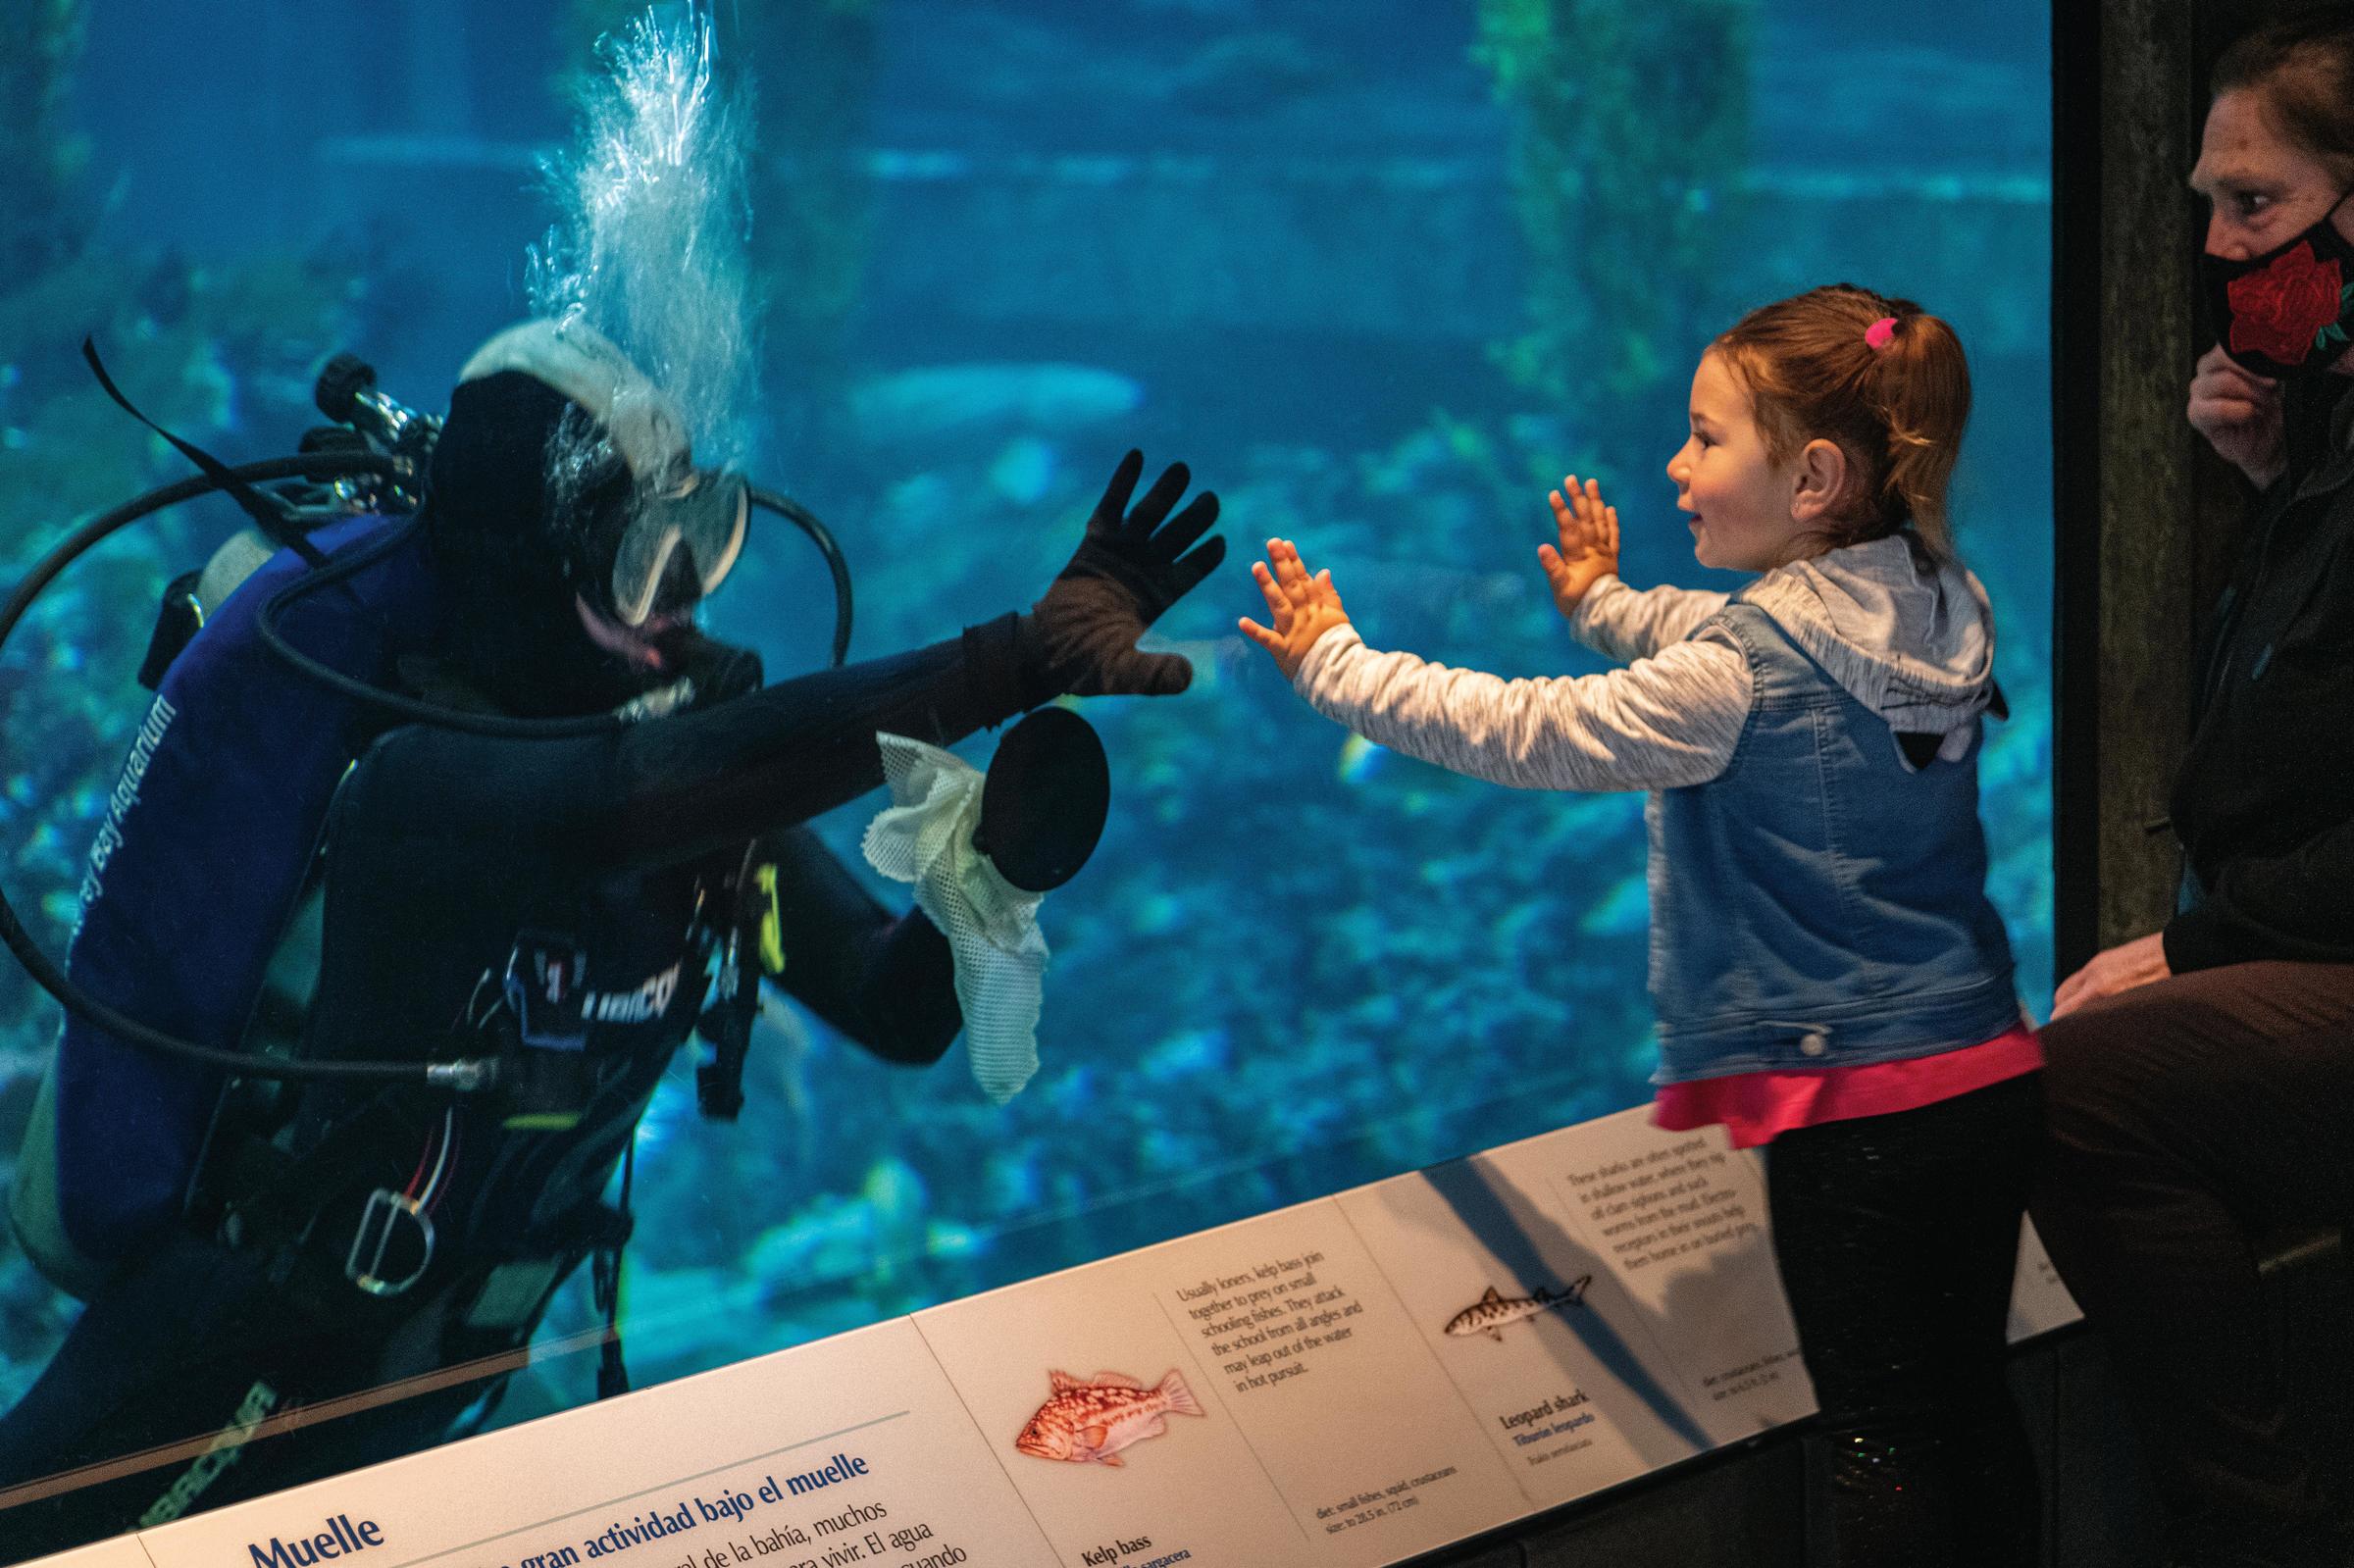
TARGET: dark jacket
(2264,803)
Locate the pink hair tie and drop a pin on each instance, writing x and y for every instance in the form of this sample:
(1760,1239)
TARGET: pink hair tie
(1881,333)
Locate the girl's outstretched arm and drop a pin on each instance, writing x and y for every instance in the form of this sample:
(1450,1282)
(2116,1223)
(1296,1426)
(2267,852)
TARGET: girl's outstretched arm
(1664,722)
(1625,623)
(1603,611)
(1657,724)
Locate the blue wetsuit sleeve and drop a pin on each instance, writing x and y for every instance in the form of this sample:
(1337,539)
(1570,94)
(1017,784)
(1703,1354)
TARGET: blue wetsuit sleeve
(204,849)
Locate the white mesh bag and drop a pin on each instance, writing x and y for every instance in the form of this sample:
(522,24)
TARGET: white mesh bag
(925,837)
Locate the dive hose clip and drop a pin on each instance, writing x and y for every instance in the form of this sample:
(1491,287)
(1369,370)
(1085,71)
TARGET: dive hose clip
(466,1075)
(380,1219)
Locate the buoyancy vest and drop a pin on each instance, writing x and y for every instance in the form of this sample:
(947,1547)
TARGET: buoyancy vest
(207,843)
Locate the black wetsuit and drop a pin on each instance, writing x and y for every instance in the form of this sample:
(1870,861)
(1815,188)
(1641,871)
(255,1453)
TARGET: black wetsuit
(446,855)
(224,1287)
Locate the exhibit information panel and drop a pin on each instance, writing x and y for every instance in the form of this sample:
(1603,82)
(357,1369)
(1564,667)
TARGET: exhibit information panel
(1350,1381)
(859,1452)
(1677,1221)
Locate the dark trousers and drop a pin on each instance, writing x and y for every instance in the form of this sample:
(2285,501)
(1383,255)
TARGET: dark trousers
(1898,1237)
(2187,1118)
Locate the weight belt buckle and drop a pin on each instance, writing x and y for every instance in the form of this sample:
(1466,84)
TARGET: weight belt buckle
(382,1219)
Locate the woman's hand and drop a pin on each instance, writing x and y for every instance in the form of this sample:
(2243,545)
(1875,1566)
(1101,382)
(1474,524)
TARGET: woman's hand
(2118,969)
(1303,607)
(2239,414)
(1589,547)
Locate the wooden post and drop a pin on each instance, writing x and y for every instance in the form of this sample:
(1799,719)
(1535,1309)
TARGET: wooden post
(2146,517)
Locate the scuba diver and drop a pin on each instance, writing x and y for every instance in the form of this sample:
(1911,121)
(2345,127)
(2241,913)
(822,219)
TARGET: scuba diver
(447,828)
(539,898)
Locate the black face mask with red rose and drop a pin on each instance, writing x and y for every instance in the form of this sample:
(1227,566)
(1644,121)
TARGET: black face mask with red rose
(2289,311)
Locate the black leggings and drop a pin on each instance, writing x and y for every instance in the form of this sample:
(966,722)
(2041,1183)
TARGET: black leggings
(1897,1238)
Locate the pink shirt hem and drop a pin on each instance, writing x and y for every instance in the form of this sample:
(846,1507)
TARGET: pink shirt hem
(1755,1107)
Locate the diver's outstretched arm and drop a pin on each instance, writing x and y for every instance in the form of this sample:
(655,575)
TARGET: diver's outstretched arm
(888,983)
(672,788)
(676,788)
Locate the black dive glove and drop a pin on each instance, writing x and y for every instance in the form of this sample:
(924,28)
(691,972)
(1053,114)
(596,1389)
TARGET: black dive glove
(1080,636)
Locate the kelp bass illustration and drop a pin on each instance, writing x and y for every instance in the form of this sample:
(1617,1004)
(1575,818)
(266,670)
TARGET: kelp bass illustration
(1091,1422)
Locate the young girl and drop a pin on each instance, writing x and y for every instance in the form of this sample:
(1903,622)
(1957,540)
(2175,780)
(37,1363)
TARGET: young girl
(1829,974)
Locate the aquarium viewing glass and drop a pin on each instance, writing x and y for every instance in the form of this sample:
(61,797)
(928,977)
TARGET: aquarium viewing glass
(1380,270)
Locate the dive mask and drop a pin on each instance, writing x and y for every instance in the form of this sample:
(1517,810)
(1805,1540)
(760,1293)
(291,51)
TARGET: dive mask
(678,525)
(694,525)
(2288,311)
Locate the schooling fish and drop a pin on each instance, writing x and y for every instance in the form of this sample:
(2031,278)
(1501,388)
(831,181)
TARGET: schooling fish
(1492,1312)
(1095,1419)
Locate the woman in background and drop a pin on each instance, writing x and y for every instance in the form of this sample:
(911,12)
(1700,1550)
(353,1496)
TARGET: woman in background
(2201,1077)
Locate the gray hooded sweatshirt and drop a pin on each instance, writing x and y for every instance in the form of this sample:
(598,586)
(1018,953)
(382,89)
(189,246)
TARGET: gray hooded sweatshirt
(1911,640)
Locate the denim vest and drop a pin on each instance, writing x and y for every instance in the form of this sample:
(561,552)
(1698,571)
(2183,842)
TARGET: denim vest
(1817,904)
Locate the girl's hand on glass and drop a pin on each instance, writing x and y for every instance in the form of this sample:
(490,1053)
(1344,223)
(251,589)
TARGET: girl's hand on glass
(1589,542)
(1303,607)
(2239,414)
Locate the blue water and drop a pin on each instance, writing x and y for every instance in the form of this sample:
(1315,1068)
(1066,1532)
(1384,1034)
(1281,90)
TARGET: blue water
(1282,241)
